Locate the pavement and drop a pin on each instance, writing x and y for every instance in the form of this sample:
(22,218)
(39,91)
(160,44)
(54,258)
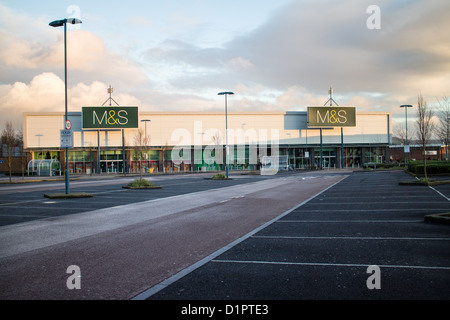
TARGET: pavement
(296,237)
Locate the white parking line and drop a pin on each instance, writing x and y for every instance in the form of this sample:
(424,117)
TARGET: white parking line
(328,264)
(439,193)
(371,210)
(367,203)
(352,238)
(350,221)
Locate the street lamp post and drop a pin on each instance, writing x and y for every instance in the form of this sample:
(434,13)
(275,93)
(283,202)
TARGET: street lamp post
(55,24)
(226,128)
(406,106)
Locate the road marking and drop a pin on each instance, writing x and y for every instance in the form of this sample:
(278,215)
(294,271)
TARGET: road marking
(350,238)
(367,210)
(18,202)
(439,193)
(329,264)
(322,202)
(226,200)
(350,221)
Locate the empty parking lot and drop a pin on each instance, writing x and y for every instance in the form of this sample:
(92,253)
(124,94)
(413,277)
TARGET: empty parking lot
(294,237)
(322,249)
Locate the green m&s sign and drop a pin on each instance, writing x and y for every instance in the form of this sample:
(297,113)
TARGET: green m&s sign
(110,117)
(329,117)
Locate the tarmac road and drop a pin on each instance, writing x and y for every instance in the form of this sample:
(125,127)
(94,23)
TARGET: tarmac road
(124,250)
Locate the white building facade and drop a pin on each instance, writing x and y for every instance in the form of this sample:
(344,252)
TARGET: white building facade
(196,141)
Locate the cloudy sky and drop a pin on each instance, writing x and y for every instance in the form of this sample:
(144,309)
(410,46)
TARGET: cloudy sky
(176,55)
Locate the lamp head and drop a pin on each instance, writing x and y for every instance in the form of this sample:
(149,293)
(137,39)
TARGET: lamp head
(60,23)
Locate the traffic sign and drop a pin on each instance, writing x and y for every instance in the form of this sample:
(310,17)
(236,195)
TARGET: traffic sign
(66,137)
(68,125)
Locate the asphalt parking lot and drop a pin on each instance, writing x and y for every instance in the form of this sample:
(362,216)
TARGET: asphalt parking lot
(303,236)
(323,249)
(125,246)
(25,202)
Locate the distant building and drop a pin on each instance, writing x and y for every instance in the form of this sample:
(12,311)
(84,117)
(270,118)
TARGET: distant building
(433,152)
(181,141)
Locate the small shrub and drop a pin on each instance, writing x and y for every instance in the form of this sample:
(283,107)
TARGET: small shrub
(219,176)
(139,183)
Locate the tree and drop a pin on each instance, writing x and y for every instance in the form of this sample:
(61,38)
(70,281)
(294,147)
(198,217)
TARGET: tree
(9,143)
(425,127)
(400,133)
(140,141)
(443,127)
(22,152)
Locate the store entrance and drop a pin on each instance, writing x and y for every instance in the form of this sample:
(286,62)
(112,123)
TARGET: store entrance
(329,158)
(111,161)
(111,166)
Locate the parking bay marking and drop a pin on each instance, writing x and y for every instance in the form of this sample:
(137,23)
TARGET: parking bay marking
(351,238)
(327,264)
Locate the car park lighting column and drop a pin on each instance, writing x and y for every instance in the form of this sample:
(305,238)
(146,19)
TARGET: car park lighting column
(55,24)
(226,128)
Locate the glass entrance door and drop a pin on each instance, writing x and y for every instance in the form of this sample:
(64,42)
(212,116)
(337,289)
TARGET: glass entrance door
(329,158)
(111,161)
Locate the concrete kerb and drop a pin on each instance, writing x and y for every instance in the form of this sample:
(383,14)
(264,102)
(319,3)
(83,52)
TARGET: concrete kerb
(68,196)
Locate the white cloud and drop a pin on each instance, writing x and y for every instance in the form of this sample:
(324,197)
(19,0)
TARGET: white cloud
(287,63)
(315,44)
(45,93)
(239,64)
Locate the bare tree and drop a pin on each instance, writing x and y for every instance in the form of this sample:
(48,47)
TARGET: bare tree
(217,140)
(22,152)
(400,133)
(425,127)
(140,141)
(443,127)
(9,142)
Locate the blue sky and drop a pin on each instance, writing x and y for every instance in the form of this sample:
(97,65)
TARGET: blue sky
(175,55)
(204,22)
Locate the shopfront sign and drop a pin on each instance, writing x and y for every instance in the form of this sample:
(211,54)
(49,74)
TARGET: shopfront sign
(110,117)
(330,117)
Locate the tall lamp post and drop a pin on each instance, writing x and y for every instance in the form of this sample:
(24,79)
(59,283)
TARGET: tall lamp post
(55,24)
(406,106)
(226,128)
